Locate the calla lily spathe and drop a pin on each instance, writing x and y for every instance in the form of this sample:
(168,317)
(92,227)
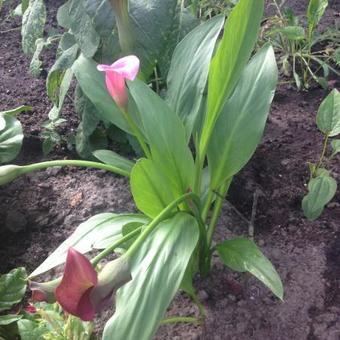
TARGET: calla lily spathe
(115,75)
(82,291)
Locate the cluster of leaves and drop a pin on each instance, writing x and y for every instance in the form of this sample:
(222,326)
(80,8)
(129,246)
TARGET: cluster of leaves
(38,321)
(304,53)
(322,187)
(91,28)
(206,9)
(11,134)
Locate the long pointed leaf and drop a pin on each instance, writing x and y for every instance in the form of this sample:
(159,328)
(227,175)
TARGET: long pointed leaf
(157,270)
(239,38)
(96,233)
(189,70)
(242,121)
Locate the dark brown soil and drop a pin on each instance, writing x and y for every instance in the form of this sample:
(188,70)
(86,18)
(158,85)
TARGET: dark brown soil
(40,210)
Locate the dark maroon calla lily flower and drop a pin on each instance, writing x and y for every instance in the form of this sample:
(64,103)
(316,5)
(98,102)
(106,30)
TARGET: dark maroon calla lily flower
(82,292)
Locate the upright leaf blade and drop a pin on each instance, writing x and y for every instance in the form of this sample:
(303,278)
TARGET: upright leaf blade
(239,38)
(157,270)
(240,126)
(241,254)
(315,11)
(12,288)
(96,233)
(189,70)
(328,116)
(166,136)
(33,23)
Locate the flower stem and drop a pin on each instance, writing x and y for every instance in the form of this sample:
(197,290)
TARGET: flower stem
(160,218)
(138,134)
(107,251)
(217,209)
(79,163)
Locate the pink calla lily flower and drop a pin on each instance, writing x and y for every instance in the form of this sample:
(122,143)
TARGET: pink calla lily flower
(82,291)
(115,75)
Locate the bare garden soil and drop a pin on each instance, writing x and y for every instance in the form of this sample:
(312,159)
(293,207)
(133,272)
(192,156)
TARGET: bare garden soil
(38,211)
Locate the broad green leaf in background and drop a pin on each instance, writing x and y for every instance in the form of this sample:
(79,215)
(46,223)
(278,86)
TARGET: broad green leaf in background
(12,288)
(112,158)
(328,116)
(292,32)
(82,28)
(315,11)
(239,38)
(240,126)
(57,72)
(92,84)
(10,139)
(165,133)
(242,254)
(335,146)
(321,190)
(157,27)
(157,270)
(89,137)
(96,233)
(189,70)
(9,318)
(33,24)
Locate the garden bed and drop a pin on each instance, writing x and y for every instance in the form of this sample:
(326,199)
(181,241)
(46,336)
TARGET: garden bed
(40,210)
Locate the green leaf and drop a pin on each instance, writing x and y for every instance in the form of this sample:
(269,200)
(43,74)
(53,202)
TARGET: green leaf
(335,146)
(171,156)
(63,15)
(321,190)
(189,70)
(12,288)
(157,270)
(315,11)
(328,116)
(292,32)
(96,233)
(82,28)
(32,330)
(150,188)
(36,63)
(8,319)
(112,158)
(33,23)
(17,110)
(156,29)
(240,126)
(241,254)
(10,138)
(239,38)
(92,83)
(57,72)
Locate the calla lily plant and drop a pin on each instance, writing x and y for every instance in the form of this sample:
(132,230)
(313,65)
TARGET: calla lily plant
(194,139)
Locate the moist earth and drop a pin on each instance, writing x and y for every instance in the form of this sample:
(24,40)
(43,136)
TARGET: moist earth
(40,210)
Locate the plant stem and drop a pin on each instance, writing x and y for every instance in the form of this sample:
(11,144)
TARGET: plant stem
(79,163)
(217,209)
(160,218)
(138,134)
(324,149)
(107,251)
(175,319)
(207,204)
